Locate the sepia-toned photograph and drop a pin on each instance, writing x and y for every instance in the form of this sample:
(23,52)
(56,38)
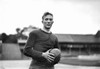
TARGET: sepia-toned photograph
(49,34)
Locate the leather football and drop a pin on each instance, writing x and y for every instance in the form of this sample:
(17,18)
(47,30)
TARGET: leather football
(57,54)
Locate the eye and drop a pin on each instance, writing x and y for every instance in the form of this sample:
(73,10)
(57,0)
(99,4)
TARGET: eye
(49,19)
(46,19)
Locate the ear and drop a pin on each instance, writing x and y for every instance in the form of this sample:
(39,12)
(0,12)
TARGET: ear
(42,21)
(52,21)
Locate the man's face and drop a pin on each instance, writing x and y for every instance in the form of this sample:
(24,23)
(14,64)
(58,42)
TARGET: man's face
(47,21)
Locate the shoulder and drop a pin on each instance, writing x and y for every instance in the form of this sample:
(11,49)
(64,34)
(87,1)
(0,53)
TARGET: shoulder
(36,31)
(54,36)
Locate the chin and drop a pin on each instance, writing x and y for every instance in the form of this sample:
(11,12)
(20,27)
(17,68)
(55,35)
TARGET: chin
(47,27)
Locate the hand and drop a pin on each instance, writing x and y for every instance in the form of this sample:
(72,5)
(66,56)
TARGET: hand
(49,56)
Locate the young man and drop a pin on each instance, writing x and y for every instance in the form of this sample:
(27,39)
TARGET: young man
(39,42)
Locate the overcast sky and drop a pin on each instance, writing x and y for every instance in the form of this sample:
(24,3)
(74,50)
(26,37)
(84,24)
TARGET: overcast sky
(70,16)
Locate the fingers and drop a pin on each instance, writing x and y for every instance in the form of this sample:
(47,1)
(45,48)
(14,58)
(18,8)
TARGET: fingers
(50,57)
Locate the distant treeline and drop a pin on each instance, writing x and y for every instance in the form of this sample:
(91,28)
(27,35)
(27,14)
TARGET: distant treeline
(12,38)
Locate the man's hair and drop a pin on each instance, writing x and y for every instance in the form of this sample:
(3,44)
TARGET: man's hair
(46,13)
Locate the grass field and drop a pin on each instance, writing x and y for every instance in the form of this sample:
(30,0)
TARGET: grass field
(85,60)
(24,64)
(67,62)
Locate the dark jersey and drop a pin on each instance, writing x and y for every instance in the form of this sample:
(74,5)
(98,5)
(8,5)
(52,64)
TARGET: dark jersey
(40,41)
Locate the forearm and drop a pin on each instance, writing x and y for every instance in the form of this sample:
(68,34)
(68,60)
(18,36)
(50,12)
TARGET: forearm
(37,55)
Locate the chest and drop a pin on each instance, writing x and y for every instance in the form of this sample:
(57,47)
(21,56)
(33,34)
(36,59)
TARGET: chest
(46,38)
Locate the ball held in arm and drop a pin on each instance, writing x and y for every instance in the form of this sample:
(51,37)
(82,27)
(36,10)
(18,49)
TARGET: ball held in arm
(57,54)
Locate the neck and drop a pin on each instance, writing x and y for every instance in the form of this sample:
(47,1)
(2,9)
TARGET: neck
(46,30)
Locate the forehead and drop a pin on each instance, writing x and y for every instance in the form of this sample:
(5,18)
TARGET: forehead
(48,16)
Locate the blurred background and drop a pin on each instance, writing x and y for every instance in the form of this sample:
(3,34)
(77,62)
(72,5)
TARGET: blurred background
(76,24)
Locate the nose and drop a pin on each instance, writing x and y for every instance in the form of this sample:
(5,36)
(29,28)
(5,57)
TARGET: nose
(48,20)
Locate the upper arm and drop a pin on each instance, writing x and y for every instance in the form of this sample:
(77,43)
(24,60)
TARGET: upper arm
(56,43)
(31,39)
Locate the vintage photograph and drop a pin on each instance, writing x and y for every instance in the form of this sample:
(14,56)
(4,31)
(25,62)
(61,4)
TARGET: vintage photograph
(49,34)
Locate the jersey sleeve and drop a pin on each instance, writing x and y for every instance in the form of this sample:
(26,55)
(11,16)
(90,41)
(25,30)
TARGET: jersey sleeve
(56,43)
(29,48)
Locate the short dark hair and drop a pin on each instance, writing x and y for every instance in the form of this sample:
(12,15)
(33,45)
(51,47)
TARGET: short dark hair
(46,13)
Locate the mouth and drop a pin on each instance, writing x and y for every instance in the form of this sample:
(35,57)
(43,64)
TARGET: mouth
(49,25)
